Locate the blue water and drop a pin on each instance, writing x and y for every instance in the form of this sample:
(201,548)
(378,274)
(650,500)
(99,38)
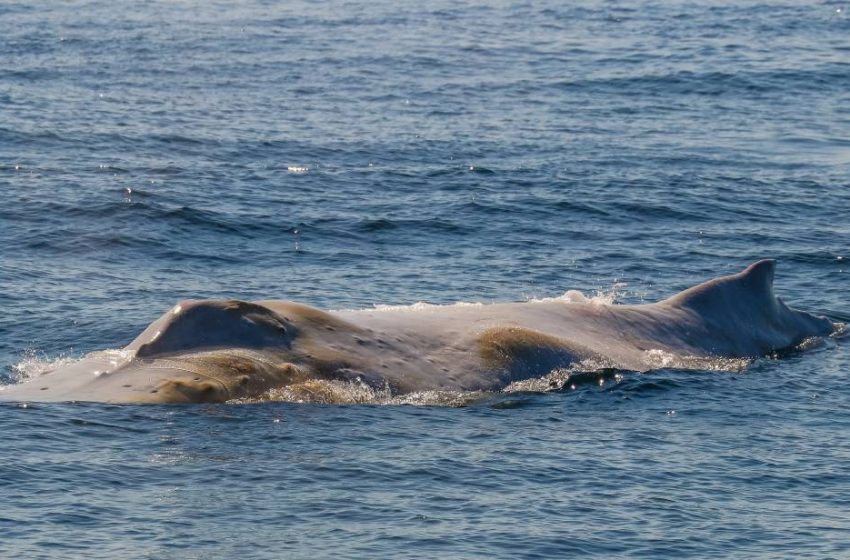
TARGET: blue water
(353,154)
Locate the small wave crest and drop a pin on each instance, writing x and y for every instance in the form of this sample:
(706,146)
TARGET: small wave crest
(413,307)
(424,306)
(600,297)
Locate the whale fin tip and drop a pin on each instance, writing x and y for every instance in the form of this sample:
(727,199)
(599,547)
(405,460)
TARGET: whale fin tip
(759,273)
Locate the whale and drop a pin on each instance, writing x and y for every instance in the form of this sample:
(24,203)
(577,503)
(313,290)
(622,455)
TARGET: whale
(202,351)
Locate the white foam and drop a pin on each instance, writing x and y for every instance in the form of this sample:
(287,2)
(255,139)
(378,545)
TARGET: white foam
(601,297)
(421,306)
(320,391)
(662,359)
(558,379)
(35,364)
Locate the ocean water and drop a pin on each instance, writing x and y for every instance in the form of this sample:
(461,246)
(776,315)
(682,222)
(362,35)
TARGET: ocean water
(348,155)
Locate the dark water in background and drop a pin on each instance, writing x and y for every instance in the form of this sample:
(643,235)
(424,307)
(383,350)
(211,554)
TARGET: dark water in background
(155,151)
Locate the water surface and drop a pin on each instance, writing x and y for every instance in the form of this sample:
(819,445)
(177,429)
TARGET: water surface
(348,155)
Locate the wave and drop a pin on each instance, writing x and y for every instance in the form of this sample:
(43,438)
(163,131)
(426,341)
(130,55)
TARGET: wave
(753,83)
(428,225)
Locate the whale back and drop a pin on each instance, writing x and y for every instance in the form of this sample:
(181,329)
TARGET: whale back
(215,350)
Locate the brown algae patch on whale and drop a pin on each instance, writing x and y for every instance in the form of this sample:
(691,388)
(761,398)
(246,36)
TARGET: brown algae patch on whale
(519,350)
(217,376)
(191,391)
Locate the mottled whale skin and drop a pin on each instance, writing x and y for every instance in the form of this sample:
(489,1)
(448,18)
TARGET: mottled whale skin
(219,350)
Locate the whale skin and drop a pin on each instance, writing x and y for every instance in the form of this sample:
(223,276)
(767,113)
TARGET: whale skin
(223,350)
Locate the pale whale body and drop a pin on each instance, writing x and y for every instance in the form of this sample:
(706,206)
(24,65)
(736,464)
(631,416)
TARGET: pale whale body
(220,350)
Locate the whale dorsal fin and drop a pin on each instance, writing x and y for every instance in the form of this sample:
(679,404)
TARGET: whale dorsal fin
(740,315)
(751,287)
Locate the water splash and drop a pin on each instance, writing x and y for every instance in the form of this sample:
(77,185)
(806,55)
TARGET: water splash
(663,359)
(322,391)
(418,306)
(35,364)
(611,296)
(592,370)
